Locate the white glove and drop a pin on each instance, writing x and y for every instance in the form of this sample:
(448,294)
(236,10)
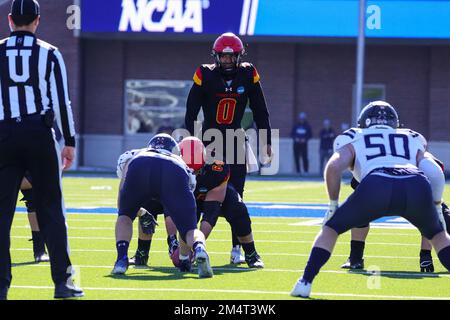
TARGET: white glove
(330,212)
(441,216)
(192,179)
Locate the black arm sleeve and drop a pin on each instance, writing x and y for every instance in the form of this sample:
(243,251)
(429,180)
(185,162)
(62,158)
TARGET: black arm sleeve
(259,109)
(193,105)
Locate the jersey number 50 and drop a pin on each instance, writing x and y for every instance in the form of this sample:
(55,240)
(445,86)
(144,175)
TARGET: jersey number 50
(371,139)
(225,111)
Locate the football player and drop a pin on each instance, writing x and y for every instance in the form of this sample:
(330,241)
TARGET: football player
(147,217)
(39,253)
(160,174)
(359,234)
(223,90)
(217,197)
(385,161)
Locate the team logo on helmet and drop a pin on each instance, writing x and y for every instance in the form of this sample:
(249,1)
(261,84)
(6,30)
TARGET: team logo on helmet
(164,143)
(193,152)
(378,113)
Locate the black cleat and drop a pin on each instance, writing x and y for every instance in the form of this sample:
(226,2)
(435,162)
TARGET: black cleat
(139,260)
(66,291)
(353,265)
(185,265)
(3,293)
(254,261)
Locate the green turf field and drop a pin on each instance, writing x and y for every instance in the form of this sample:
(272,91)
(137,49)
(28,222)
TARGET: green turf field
(284,245)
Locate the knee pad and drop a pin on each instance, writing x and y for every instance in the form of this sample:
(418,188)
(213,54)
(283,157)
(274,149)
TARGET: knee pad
(239,219)
(28,199)
(211,212)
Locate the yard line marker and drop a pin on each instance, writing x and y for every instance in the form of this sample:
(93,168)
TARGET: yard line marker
(286,293)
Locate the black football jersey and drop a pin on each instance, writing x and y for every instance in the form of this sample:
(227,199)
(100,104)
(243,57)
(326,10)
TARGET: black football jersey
(210,177)
(223,102)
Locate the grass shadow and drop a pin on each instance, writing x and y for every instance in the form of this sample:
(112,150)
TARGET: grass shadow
(172,273)
(398,274)
(27,263)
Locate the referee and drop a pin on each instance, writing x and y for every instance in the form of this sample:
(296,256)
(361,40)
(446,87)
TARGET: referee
(33,92)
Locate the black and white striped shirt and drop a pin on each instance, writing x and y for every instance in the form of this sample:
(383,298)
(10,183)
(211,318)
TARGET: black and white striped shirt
(33,79)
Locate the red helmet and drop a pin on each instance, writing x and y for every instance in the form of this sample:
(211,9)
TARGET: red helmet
(193,152)
(228,43)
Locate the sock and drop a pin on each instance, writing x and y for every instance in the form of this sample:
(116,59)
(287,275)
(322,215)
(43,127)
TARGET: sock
(171,239)
(444,257)
(425,254)
(198,243)
(38,242)
(249,248)
(144,247)
(317,259)
(356,250)
(234,239)
(122,249)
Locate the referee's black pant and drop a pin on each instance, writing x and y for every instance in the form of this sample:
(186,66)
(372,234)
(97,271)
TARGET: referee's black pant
(29,144)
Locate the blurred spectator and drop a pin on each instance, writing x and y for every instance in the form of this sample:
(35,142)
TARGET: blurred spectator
(327,136)
(301,133)
(344,126)
(166,127)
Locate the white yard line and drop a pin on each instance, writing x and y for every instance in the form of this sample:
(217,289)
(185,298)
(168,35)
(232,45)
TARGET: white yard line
(284,293)
(229,230)
(228,240)
(227,253)
(299,271)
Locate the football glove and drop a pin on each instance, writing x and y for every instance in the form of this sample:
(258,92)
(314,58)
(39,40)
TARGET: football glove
(426,262)
(330,212)
(147,222)
(192,179)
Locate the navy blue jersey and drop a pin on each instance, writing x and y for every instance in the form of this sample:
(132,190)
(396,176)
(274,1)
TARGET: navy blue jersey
(210,177)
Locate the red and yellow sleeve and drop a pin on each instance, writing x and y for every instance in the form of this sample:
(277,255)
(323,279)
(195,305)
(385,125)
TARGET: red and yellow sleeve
(198,77)
(256,77)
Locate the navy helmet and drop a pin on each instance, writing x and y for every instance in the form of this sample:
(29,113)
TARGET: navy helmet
(378,113)
(165,143)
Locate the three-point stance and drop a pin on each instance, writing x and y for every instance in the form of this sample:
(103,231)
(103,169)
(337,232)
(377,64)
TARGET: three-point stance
(385,160)
(158,173)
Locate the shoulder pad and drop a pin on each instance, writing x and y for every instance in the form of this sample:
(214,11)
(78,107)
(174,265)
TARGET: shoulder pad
(420,138)
(124,159)
(345,138)
(200,72)
(253,73)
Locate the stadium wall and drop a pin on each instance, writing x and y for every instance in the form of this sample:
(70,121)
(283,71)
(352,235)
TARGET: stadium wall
(315,78)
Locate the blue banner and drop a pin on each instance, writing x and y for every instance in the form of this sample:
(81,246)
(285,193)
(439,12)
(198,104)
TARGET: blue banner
(293,18)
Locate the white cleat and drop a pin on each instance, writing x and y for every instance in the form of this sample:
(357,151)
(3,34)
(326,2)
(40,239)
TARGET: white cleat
(203,264)
(301,289)
(236,256)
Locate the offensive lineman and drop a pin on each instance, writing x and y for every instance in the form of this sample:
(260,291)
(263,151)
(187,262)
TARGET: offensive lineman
(158,173)
(385,160)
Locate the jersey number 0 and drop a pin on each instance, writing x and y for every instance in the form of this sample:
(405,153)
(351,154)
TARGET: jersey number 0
(225,111)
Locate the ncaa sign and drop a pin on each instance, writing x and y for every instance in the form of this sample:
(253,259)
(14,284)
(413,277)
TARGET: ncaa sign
(160,15)
(168,16)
